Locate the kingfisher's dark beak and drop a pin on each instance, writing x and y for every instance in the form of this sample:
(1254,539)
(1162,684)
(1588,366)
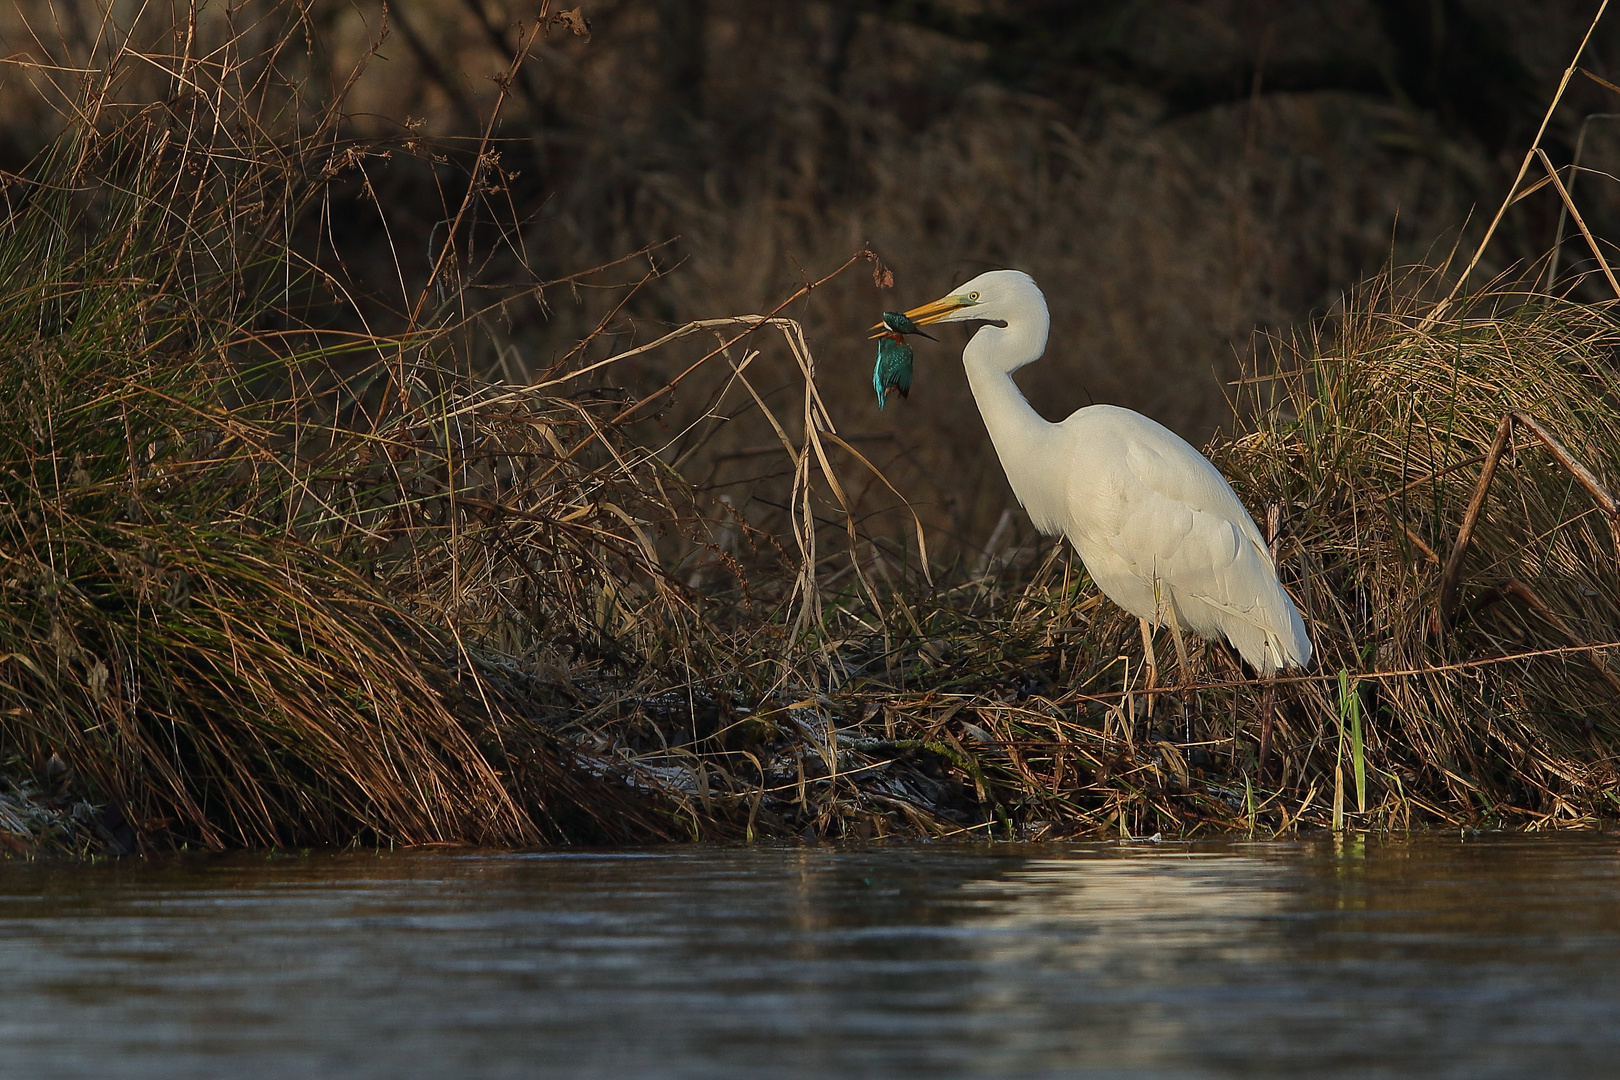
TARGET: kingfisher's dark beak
(884,329)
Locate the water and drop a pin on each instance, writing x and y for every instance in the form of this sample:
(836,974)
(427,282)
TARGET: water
(1431,957)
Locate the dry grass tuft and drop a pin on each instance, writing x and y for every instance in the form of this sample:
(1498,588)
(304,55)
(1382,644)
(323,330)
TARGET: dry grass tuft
(1496,700)
(239,524)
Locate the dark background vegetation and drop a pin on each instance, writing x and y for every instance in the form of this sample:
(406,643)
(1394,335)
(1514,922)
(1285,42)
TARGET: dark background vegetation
(1177,175)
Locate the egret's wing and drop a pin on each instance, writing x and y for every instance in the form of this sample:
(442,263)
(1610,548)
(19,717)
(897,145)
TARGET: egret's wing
(1184,525)
(1163,510)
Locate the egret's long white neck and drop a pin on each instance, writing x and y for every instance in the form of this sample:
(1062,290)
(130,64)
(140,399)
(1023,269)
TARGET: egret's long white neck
(1022,437)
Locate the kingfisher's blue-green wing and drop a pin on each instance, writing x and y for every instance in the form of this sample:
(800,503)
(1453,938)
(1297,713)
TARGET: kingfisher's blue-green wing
(892,370)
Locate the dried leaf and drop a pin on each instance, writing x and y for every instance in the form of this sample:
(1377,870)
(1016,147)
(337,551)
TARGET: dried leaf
(99,675)
(882,276)
(575,21)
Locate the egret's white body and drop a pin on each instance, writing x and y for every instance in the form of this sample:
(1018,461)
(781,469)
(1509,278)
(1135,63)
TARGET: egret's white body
(1160,530)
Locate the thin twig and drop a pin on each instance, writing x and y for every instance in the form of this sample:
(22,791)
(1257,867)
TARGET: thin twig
(1452,573)
(1580,222)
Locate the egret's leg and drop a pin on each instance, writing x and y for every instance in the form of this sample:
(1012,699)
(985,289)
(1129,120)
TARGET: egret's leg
(1187,692)
(1152,665)
(1268,705)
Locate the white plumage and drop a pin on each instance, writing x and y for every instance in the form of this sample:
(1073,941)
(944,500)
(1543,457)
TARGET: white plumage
(1159,528)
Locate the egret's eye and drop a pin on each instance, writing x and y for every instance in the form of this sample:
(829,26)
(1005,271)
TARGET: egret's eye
(973,296)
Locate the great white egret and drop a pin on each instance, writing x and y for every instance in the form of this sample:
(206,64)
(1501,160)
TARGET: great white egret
(1158,527)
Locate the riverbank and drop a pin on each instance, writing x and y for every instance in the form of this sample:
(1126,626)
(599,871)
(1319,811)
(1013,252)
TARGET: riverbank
(288,567)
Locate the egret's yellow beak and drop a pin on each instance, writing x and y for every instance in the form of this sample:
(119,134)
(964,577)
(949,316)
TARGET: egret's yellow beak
(928,313)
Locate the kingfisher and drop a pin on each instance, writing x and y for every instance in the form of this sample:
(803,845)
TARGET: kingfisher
(893,368)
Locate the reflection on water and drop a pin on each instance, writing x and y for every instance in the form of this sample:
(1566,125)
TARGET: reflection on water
(1427,957)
